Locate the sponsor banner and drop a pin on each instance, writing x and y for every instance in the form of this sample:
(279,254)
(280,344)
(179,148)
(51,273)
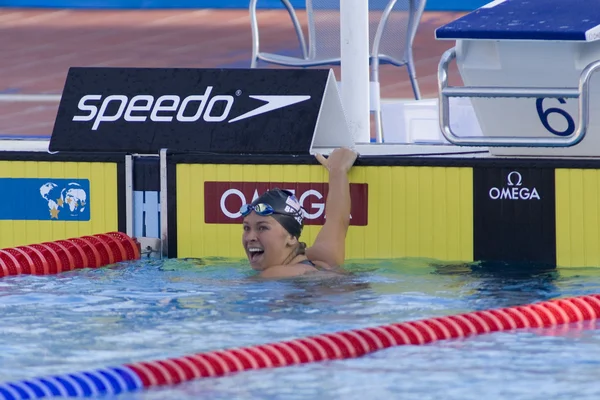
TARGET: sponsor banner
(403,211)
(212,110)
(45,199)
(222,200)
(514,214)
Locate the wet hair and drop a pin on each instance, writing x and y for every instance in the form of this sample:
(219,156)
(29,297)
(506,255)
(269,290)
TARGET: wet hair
(288,211)
(301,250)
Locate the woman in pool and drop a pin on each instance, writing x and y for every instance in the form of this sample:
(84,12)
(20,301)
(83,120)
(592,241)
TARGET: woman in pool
(273,224)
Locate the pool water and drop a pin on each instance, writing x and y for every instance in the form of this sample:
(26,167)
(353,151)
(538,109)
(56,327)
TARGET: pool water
(151,309)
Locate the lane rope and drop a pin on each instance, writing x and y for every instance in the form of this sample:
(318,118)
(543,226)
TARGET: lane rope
(91,251)
(331,346)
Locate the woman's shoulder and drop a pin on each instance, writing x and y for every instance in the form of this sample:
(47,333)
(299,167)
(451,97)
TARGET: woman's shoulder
(324,267)
(287,271)
(300,268)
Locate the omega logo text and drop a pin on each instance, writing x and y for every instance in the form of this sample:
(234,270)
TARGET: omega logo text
(514,189)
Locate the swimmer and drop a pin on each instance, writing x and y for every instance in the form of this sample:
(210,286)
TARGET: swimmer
(273,225)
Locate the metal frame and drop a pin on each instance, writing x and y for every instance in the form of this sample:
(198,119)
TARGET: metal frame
(129,195)
(164,220)
(582,93)
(308,52)
(375,59)
(150,246)
(255,36)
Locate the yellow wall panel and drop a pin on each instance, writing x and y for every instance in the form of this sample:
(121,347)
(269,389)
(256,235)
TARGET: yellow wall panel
(577,217)
(412,211)
(102,200)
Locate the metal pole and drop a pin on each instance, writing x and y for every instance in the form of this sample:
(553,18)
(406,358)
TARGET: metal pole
(354,28)
(129,195)
(164,220)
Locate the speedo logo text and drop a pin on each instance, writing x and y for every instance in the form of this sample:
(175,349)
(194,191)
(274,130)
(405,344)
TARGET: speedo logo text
(169,107)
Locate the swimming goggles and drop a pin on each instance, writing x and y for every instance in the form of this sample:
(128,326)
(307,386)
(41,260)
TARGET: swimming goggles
(263,210)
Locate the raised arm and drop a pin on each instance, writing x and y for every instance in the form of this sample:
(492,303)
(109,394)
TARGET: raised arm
(330,244)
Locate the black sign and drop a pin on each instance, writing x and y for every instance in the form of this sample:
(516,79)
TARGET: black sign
(142,110)
(514,215)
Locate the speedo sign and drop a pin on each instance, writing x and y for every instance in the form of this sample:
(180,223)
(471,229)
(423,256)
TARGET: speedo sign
(222,200)
(169,108)
(197,110)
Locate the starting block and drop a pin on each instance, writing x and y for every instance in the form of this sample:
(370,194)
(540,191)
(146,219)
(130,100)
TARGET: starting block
(529,68)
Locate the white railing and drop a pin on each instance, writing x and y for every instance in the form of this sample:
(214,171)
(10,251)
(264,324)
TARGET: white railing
(32,98)
(19,144)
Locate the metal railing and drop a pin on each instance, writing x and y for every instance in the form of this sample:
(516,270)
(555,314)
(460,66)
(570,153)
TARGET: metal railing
(20,143)
(445,92)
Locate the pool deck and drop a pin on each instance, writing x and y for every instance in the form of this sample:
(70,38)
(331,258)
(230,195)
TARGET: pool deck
(39,45)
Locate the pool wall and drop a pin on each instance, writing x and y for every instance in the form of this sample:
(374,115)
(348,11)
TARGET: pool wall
(403,211)
(455,209)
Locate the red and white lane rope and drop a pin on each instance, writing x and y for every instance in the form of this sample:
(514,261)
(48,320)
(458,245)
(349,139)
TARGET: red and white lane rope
(65,255)
(331,346)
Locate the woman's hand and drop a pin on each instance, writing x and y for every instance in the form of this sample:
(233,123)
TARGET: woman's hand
(340,159)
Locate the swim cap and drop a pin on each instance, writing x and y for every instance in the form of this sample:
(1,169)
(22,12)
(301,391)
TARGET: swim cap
(288,211)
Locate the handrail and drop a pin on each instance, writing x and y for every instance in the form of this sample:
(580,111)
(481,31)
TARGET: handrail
(37,97)
(582,93)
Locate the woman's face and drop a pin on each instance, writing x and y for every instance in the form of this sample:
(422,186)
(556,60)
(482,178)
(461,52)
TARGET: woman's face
(265,241)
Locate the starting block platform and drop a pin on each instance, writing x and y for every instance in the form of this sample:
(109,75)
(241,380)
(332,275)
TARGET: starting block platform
(529,68)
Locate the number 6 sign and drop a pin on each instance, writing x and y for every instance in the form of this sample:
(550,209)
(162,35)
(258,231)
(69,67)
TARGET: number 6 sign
(544,116)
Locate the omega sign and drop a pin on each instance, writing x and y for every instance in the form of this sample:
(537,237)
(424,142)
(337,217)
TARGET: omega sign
(514,189)
(222,200)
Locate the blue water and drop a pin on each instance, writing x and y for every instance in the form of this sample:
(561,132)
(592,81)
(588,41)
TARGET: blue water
(149,310)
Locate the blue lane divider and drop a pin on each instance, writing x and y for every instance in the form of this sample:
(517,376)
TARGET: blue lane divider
(105,381)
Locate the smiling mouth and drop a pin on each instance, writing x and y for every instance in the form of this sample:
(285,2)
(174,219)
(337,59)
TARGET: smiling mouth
(254,254)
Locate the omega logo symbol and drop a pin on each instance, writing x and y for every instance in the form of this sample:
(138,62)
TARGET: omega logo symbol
(514,190)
